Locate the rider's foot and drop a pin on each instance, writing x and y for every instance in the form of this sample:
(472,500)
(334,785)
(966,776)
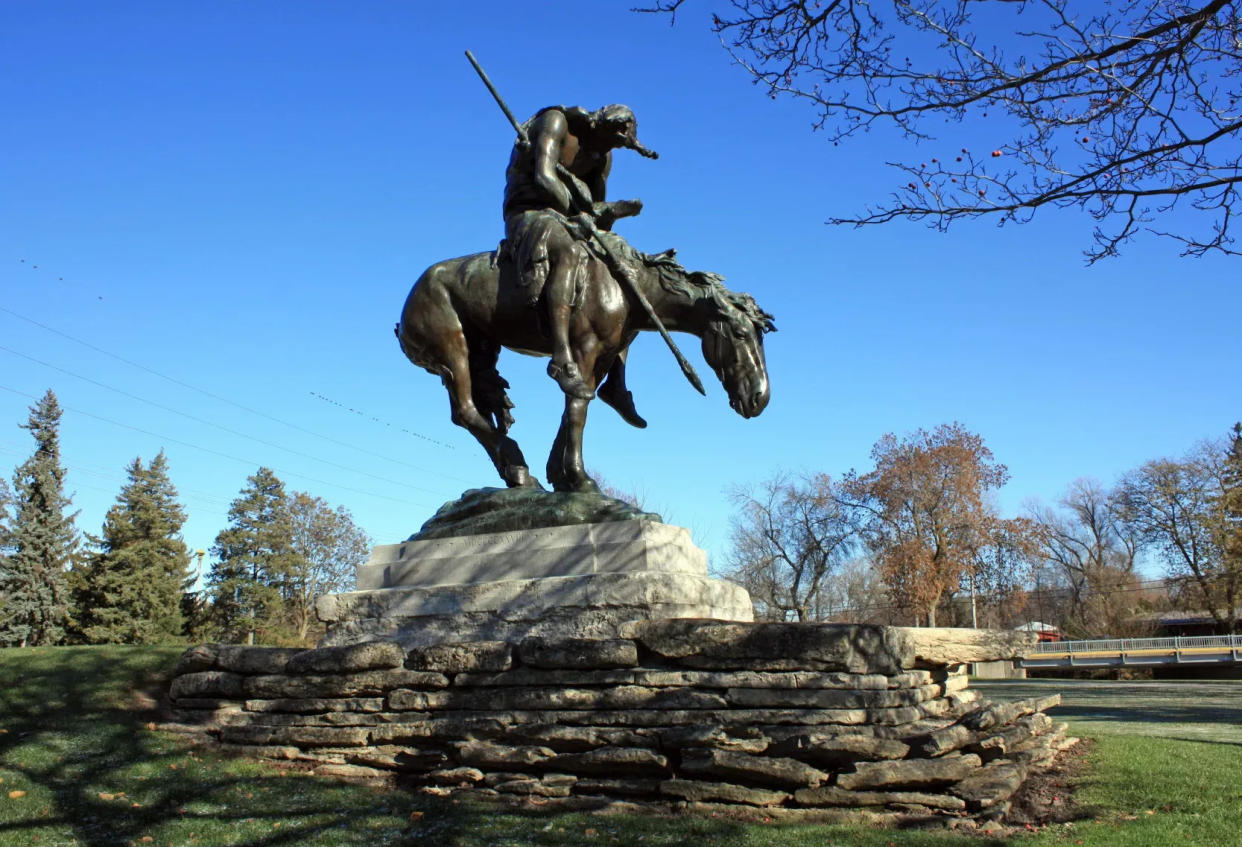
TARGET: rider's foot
(623,402)
(570,381)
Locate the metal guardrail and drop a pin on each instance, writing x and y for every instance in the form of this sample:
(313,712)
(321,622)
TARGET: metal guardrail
(1137,651)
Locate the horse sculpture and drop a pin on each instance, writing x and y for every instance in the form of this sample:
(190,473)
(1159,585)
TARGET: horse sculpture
(461,312)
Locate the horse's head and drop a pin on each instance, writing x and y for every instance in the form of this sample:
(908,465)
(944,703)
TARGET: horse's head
(733,346)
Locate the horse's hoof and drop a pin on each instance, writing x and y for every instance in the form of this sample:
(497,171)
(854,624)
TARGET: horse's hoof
(586,486)
(519,477)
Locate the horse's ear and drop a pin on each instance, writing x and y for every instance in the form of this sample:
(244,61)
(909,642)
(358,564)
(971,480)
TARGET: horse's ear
(706,278)
(767,318)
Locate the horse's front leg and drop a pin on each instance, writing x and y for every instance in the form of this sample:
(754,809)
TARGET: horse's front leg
(566,470)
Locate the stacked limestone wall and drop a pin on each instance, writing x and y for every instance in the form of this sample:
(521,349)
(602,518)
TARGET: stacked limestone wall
(688,713)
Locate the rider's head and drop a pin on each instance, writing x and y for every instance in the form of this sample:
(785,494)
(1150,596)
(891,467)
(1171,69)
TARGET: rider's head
(618,126)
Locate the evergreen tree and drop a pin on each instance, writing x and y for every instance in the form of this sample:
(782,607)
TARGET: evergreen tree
(130,591)
(43,540)
(195,604)
(6,544)
(255,566)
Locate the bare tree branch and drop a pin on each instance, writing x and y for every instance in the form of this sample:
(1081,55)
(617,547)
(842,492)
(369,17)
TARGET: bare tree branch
(1121,110)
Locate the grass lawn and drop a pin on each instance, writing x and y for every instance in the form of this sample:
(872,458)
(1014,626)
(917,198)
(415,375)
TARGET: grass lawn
(78,766)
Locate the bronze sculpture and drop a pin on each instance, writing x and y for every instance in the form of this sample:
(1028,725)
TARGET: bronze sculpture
(563,285)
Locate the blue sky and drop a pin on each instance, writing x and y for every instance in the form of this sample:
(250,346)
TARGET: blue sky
(228,202)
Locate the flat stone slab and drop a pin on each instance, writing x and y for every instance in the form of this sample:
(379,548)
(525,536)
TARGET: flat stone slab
(938,646)
(586,606)
(855,648)
(617,547)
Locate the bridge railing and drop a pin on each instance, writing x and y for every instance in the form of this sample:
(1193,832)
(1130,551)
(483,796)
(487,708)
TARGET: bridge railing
(1231,643)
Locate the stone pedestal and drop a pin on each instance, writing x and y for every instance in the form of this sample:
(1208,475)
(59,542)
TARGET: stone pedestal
(583,581)
(808,722)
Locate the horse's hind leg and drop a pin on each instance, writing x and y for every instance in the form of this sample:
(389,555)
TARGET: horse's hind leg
(492,400)
(502,450)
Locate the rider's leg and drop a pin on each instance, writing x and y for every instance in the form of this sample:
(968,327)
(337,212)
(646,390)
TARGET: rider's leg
(614,393)
(568,259)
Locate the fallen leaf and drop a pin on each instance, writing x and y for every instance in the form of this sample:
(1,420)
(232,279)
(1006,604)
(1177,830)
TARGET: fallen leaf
(416,816)
(16,795)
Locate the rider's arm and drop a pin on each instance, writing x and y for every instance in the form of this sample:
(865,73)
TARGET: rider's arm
(547,135)
(598,180)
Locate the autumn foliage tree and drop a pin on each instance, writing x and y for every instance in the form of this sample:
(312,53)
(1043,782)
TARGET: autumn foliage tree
(925,515)
(1123,110)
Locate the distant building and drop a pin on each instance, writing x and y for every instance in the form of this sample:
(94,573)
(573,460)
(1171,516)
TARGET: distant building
(1043,631)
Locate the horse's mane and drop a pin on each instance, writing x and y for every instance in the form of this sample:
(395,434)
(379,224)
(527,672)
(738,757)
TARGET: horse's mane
(696,285)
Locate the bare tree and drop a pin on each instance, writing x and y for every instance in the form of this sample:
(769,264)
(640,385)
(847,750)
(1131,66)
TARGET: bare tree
(1093,551)
(330,546)
(790,537)
(1181,508)
(854,594)
(1123,110)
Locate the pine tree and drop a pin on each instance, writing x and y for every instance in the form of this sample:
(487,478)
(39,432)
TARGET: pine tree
(6,546)
(130,591)
(43,541)
(253,574)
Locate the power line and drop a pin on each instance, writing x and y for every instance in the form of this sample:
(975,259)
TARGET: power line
(220,427)
(219,398)
(249,462)
(378,420)
(114,476)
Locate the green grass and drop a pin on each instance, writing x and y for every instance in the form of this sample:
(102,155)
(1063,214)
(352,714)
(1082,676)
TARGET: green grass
(75,746)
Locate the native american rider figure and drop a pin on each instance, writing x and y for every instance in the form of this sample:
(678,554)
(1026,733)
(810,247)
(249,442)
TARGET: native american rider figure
(553,216)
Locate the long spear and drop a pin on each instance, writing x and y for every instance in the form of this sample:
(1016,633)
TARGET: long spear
(617,267)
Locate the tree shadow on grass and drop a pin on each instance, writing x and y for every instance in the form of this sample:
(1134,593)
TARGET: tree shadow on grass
(92,767)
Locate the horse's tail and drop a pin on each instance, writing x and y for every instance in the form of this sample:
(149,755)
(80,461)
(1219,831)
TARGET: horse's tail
(407,346)
(412,343)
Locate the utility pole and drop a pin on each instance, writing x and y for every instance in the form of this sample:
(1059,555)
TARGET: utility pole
(974,608)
